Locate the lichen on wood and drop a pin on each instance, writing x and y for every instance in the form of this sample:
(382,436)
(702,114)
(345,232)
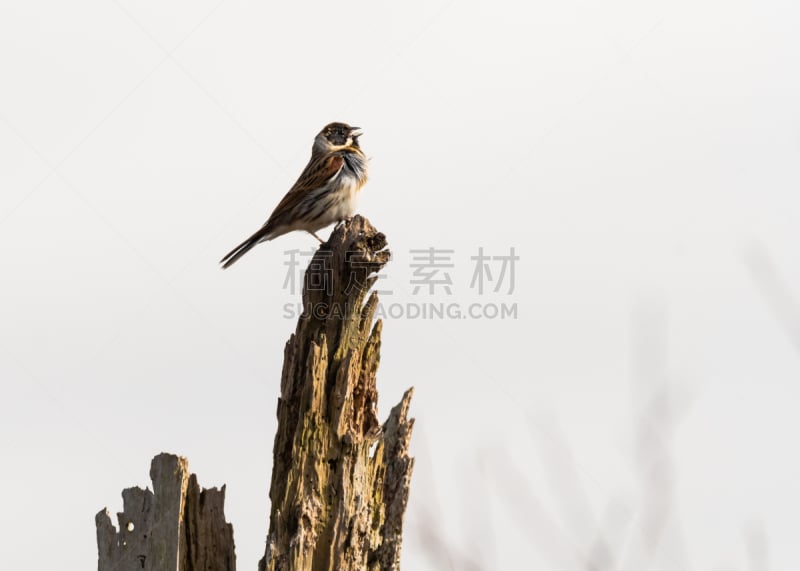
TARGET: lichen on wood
(340,480)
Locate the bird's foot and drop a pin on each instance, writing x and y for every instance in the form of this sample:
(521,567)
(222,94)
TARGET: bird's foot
(317,237)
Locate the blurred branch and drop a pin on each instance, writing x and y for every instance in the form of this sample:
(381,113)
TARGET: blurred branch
(773,288)
(755,539)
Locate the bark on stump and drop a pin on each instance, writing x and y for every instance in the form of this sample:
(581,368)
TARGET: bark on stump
(178,526)
(340,480)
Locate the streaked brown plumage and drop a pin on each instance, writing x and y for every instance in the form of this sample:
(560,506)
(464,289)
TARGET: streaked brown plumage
(325,193)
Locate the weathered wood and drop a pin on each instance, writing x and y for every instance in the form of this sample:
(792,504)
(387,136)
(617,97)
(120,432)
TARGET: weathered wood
(178,526)
(340,481)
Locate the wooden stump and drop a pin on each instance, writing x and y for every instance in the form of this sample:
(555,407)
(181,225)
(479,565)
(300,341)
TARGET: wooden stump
(178,526)
(340,480)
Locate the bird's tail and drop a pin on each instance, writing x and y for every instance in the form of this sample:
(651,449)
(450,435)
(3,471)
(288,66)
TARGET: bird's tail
(243,248)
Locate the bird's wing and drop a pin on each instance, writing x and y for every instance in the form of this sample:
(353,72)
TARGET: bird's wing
(317,174)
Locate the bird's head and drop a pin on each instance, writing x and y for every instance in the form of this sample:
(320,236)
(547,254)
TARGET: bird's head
(337,136)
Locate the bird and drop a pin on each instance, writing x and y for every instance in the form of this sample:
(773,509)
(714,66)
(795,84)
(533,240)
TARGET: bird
(325,192)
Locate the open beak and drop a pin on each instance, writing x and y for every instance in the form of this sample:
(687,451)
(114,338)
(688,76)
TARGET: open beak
(356,132)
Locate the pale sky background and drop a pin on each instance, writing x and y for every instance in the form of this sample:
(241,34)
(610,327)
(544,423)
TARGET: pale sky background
(643,159)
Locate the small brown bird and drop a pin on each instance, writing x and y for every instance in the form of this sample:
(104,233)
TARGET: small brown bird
(325,193)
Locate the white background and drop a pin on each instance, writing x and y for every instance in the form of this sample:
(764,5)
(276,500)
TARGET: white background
(641,157)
